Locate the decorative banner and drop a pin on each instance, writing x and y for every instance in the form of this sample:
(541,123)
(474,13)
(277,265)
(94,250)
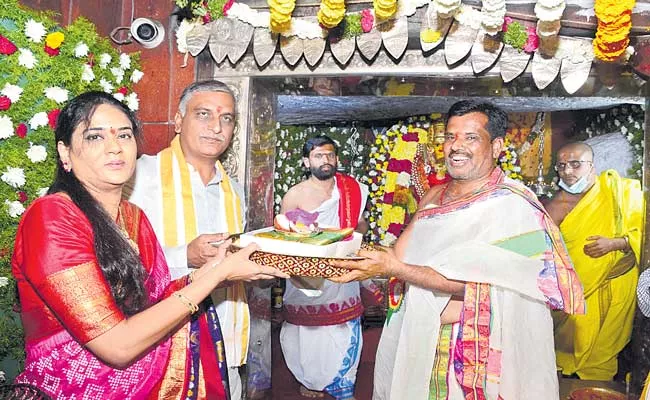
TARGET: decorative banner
(512,63)
(545,70)
(485,51)
(264,44)
(343,49)
(292,49)
(397,37)
(459,42)
(369,43)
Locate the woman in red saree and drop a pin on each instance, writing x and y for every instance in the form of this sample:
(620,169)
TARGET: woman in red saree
(101,317)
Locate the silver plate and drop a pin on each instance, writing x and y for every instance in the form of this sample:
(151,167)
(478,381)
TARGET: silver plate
(220,34)
(577,56)
(369,43)
(485,51)
(242,33)
(343,49)
(432,20)
(512,63)
(291,48)
(313,50)
(264,44)
(459,42)
(197,39)
(545,70)
(396,38)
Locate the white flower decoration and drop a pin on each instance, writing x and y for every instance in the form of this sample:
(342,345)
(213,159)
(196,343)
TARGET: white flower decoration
(106,85)
(181,35)
(104,60)
(14,177)
(12,91)
(6,127)
(118,73)
(132,101)
(36,153)
(4,281)
(125,61)
(34,31)
(38,120)
(119,96)
(16,209)
(81,50)
(87,75)
(57,94)
(137,75)
(26,59)
(42,191)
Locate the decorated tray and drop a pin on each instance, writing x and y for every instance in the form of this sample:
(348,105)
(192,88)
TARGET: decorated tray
(300,259)
(596,393)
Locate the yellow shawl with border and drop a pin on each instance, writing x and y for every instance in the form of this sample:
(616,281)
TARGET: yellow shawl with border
(180,226)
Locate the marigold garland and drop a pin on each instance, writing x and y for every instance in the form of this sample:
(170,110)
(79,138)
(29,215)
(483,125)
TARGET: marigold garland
(281,10)
(614,25)
(385,9)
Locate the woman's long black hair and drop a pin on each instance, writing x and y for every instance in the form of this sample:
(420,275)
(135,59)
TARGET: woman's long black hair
(118,261)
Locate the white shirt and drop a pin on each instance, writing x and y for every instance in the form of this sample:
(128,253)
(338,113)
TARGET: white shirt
(147,194)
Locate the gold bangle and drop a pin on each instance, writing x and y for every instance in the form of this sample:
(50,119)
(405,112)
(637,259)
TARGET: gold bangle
(187,302)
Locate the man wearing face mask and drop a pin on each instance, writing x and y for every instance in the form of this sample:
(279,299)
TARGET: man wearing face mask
(601,220)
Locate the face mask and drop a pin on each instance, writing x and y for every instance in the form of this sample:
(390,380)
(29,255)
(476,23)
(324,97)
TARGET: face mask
(577,187)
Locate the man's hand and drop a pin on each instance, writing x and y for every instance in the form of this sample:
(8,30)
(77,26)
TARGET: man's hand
(200,250)
(601,245)
(376,264)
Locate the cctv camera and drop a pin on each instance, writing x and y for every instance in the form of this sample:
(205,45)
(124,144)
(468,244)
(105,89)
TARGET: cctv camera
(148,32)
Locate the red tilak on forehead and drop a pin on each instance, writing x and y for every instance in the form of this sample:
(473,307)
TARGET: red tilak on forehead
(219,108)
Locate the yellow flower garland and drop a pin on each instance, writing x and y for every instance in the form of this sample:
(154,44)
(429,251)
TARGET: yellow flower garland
(280,14)
(384,9)
(331,13)
(614,24)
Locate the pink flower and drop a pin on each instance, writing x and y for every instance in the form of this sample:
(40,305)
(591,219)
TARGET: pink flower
(410,137)
(124,90)
(399,165)
(52,117)
(388,198)
(395,229)
(21,131)
(22,196)
(506,21)
(51,52)
(5,103)
(367,20)
(6,46)
(226,7)
(532,43)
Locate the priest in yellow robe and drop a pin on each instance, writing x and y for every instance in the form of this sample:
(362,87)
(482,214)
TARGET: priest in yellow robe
(601,220)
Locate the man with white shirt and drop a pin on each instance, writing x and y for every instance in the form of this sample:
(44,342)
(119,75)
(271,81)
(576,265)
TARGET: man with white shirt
(321,336)
(191,202)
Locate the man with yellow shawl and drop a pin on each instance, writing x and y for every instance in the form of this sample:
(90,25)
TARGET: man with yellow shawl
(601,220)
(187,195)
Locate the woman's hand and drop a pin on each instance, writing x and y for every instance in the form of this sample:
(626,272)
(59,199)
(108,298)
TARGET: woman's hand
(238,267)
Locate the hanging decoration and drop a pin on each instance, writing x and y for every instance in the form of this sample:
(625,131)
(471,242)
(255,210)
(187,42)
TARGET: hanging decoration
(614,24)
(384,9)
(331,13)
(281,11)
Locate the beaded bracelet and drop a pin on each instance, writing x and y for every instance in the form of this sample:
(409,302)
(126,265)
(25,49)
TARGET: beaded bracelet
(189,303)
